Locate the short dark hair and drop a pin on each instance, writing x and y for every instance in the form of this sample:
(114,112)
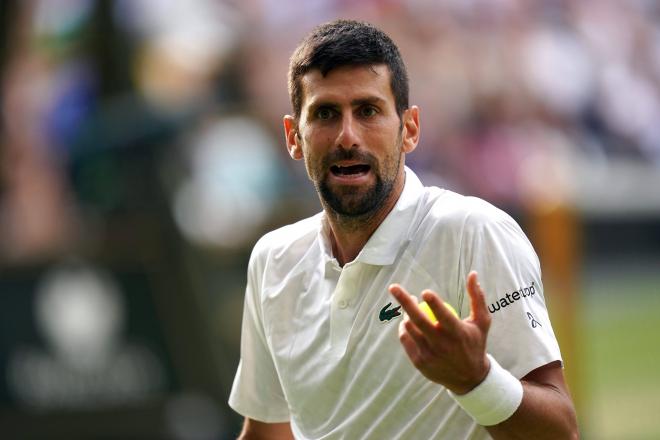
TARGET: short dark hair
(347,43)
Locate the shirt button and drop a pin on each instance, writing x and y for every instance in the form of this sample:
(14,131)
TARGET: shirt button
(342,304)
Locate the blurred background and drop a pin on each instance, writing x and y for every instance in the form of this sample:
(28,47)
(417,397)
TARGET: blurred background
(142,155)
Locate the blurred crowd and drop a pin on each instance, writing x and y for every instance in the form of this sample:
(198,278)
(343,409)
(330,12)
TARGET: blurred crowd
(516,97)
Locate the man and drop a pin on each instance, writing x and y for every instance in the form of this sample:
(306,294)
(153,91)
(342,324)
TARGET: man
(319,350)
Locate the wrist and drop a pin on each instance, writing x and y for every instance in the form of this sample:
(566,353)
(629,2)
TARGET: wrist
(493,400)
(470,383)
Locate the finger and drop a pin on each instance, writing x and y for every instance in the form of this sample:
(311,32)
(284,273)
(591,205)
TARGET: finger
(479,313)
(409,304)
(409,344)
(397,289)
(444,316)
(416,334)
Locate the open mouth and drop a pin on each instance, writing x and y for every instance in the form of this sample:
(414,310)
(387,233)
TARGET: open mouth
(350,170)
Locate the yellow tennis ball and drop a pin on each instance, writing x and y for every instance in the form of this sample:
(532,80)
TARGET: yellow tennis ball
(427,309)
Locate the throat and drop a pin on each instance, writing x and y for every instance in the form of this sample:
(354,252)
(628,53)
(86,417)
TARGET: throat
(349,235)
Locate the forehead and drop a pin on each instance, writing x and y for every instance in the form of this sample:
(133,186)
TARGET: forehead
(347,83)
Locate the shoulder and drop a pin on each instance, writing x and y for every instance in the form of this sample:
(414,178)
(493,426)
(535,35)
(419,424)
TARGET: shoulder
(465,223)
(461,213)
(288,242)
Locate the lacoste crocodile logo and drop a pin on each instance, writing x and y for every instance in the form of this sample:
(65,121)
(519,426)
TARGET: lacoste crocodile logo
(387,314)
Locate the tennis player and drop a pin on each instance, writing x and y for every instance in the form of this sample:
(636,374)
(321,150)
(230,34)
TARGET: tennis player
(334,345)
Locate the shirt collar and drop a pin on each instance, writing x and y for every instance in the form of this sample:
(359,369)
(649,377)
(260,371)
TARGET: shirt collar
(384,244)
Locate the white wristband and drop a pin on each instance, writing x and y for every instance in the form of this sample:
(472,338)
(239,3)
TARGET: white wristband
(495,399)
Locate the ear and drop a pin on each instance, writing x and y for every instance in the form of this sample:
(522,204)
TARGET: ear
(293,142)
(410,136)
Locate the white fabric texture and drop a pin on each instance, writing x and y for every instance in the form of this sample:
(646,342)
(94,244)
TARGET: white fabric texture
(314,350)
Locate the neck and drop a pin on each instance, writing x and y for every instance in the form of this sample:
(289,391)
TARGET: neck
(349,235)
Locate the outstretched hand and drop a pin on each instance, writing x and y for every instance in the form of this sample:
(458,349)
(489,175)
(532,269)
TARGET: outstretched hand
(451,352)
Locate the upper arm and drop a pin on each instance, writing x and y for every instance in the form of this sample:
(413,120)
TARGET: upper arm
(257,391)
(549,379)
(521,336)
(550,375)
(254,429)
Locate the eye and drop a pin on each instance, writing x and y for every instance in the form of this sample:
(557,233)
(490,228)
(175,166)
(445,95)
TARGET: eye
(324,113)
(368,111)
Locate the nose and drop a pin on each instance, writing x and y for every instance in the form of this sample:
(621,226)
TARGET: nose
(348,136)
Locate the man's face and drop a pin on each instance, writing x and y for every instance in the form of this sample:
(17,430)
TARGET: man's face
(350,137)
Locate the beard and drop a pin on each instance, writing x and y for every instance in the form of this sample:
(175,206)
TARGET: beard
(358,201)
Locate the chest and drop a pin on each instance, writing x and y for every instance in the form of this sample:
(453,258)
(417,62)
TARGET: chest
(331,330)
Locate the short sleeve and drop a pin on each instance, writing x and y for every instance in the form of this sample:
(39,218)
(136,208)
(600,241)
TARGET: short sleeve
(256,392)
(521,336)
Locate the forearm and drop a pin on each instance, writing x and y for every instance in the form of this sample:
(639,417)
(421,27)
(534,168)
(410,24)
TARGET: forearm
(544,413)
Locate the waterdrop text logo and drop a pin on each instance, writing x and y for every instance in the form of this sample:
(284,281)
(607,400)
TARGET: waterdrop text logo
(512,297)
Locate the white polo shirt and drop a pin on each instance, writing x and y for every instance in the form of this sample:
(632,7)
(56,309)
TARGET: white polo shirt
(318,350)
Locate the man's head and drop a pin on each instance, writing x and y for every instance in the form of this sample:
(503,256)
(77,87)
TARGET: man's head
(352,125)
(343,43)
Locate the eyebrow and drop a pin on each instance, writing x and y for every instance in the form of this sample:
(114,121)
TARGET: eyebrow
(374,100)
(367,100)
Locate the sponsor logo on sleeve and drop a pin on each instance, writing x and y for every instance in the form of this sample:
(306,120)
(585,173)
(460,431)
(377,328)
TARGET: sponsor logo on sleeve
(510,298)
(534,323)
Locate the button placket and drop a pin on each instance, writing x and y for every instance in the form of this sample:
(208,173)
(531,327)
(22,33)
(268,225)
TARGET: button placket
(342,314)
